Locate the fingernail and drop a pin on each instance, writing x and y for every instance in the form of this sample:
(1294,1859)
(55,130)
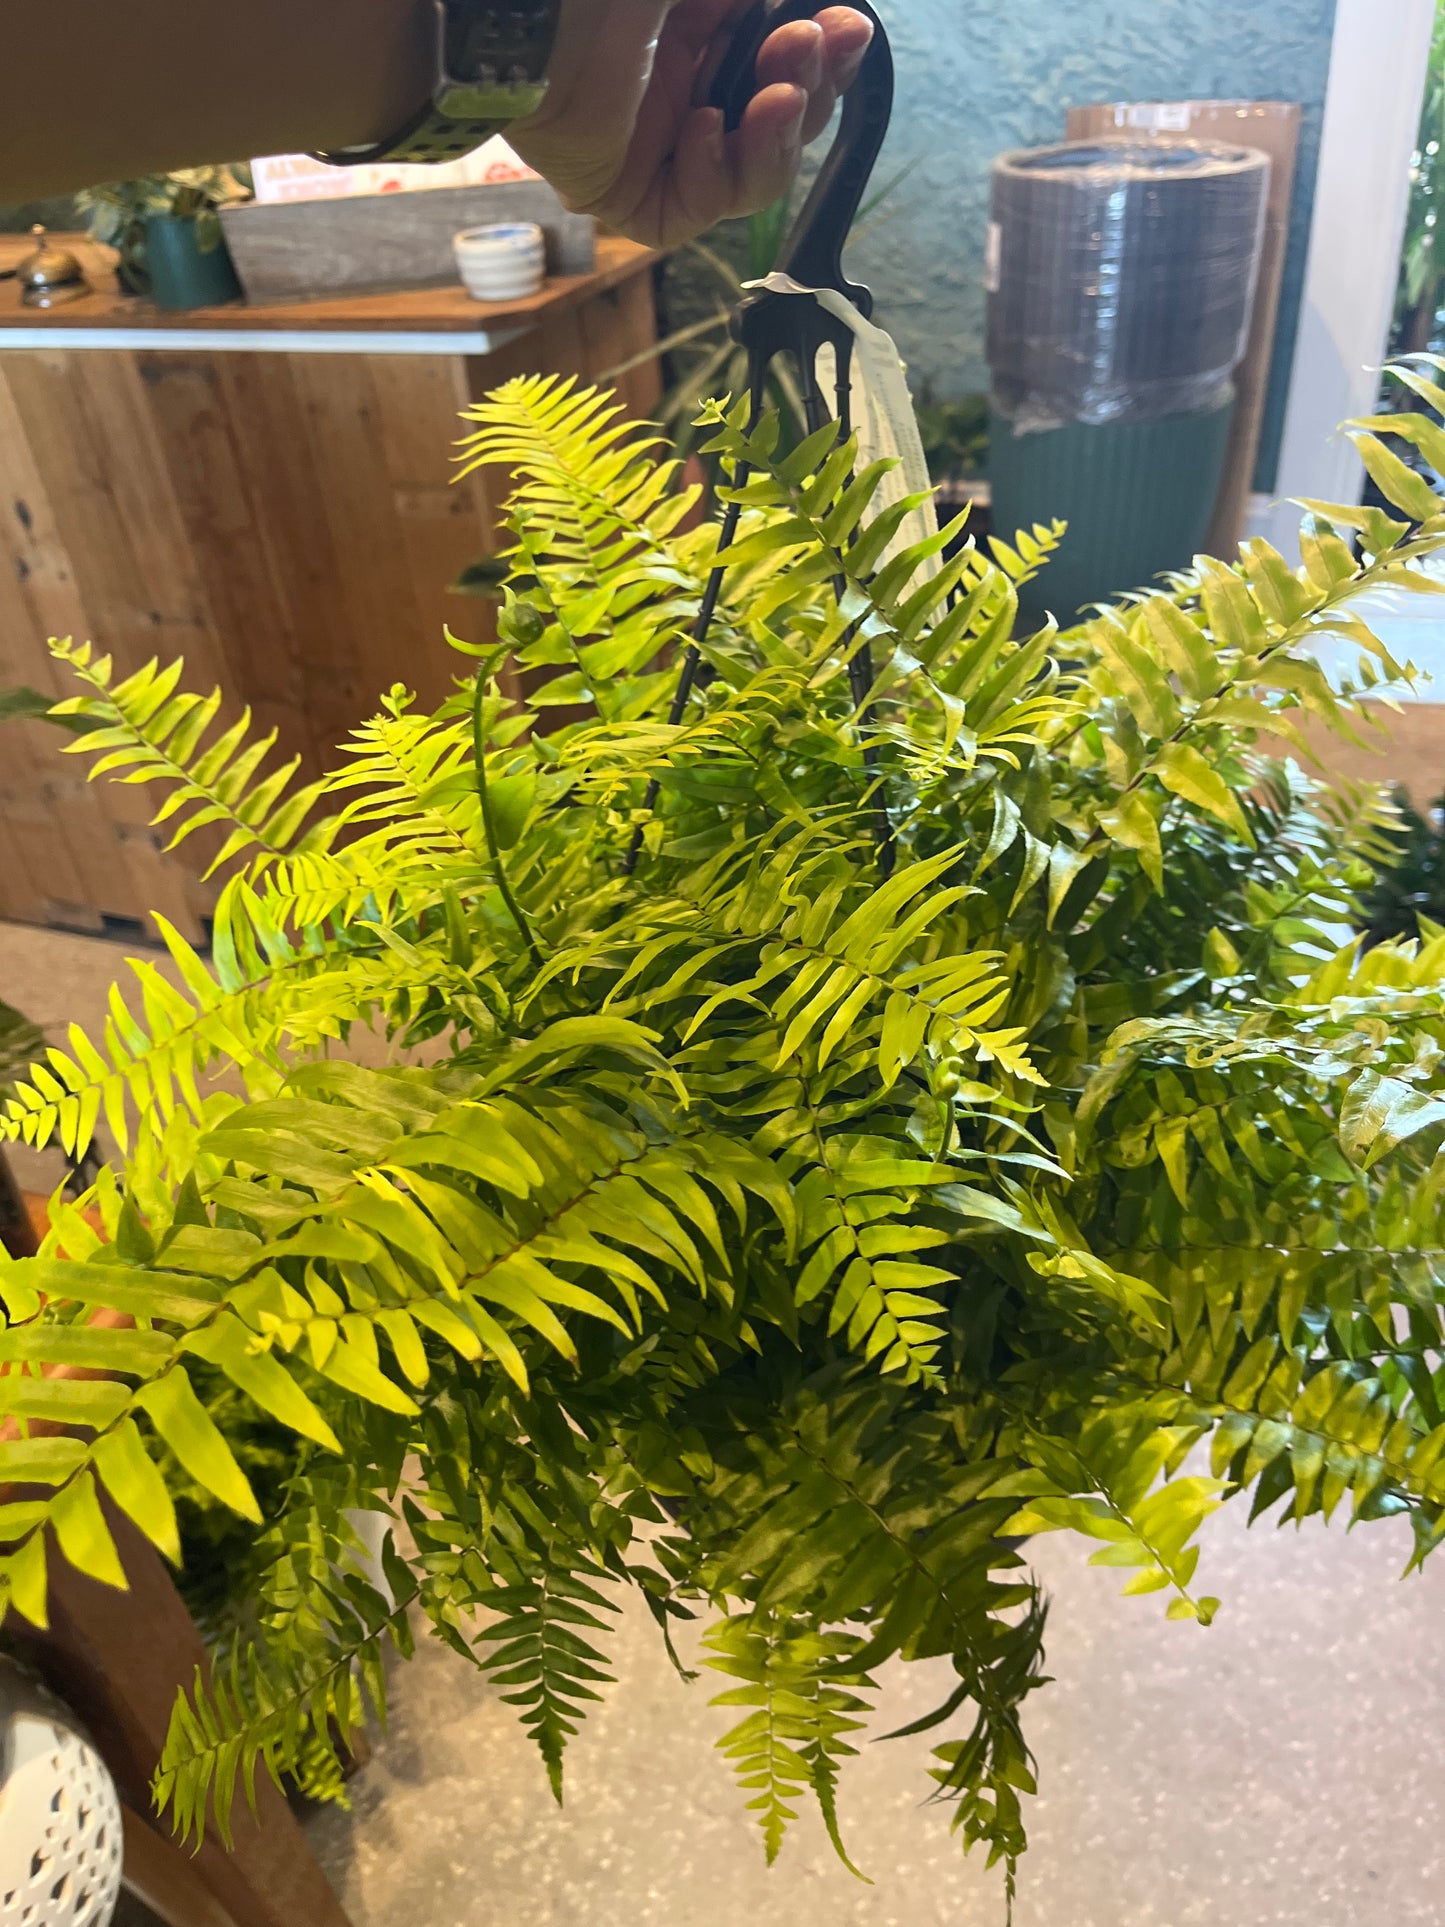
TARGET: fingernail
(851,65)
(811,76)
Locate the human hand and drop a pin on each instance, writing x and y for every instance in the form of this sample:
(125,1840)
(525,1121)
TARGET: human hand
(621,134)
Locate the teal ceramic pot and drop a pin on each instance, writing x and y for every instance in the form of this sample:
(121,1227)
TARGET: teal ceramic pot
(182,276)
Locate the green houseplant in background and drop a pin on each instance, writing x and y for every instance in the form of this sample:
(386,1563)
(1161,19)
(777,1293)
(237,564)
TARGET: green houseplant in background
(1407,897)
(955,435)
(785,1225)
(167,230)
(713,274)
(1422,270)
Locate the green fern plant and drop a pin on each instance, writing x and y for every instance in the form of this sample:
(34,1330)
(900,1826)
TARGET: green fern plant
(789,1222)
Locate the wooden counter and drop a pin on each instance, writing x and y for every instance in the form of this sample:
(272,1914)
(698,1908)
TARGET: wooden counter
(265,491)
(413,321)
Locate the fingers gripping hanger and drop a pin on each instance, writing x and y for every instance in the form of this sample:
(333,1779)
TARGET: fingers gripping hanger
(774,321)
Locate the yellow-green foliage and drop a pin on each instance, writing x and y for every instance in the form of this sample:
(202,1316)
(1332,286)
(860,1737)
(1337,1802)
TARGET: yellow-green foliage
(773,1233)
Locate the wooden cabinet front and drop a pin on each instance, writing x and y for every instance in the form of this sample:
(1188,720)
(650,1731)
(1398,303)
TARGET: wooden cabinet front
(285,520)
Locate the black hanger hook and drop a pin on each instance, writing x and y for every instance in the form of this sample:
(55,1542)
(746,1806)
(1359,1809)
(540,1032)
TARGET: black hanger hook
(769,323)
(813,252)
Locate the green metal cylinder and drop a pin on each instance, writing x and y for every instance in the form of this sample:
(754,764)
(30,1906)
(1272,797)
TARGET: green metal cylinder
(1138,498)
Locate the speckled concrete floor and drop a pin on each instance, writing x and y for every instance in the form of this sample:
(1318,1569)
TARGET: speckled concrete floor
(1187,1776)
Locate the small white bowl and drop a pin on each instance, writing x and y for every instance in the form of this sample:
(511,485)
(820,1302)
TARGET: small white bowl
(503,263)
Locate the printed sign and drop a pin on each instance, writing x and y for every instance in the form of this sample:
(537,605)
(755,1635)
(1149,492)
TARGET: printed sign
(297,177)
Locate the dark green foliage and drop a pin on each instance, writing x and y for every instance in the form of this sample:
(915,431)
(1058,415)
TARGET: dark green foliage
(1422,267)
(1408,892)
(21,1042)
(221,1560)
(955,436)
(21,703)
(778,1237)
(700,288)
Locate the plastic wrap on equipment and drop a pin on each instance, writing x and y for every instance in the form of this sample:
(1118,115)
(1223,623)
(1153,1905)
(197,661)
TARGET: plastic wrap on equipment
(1121,278)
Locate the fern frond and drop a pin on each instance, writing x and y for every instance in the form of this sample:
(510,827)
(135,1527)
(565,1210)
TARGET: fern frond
(563,1184)
(805,1695)
(540,1650)
(984,1774)
(261,991)
(142,731)
(612,576)
(585,465)
(851,1514)
(1102,1484)
(274,1707)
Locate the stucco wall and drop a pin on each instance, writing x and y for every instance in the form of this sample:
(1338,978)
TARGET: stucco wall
(978,76)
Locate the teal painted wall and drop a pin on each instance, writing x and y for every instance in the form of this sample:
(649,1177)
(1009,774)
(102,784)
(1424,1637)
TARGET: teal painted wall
(978,76)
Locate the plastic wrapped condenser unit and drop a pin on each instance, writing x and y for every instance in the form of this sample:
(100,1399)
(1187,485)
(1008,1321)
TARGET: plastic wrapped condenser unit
(1121,278)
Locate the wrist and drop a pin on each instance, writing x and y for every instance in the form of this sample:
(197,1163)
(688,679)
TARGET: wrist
(487,71)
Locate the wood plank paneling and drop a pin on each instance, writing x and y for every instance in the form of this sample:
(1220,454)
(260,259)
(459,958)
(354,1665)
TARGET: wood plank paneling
(341,418)
(287,486)
(287,522)
(614,328)
(95,439)
(222,511)
(1402,748)
(37,599)
(74,854)
(445,523)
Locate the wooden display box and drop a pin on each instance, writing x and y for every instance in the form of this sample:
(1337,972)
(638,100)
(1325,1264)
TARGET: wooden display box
(292,249)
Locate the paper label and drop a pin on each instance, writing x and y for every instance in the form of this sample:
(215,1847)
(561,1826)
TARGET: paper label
(1161,117)
(993,259)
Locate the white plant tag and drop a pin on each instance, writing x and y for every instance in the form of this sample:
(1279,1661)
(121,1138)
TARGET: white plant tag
(883,416)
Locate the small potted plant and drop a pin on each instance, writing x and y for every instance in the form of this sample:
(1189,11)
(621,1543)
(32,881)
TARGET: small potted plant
(167,230)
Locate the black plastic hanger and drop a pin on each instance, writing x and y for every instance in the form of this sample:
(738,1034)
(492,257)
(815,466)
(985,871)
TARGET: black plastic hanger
(772,322)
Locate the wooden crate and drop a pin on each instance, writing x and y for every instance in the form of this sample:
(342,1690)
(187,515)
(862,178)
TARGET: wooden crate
(289,250)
